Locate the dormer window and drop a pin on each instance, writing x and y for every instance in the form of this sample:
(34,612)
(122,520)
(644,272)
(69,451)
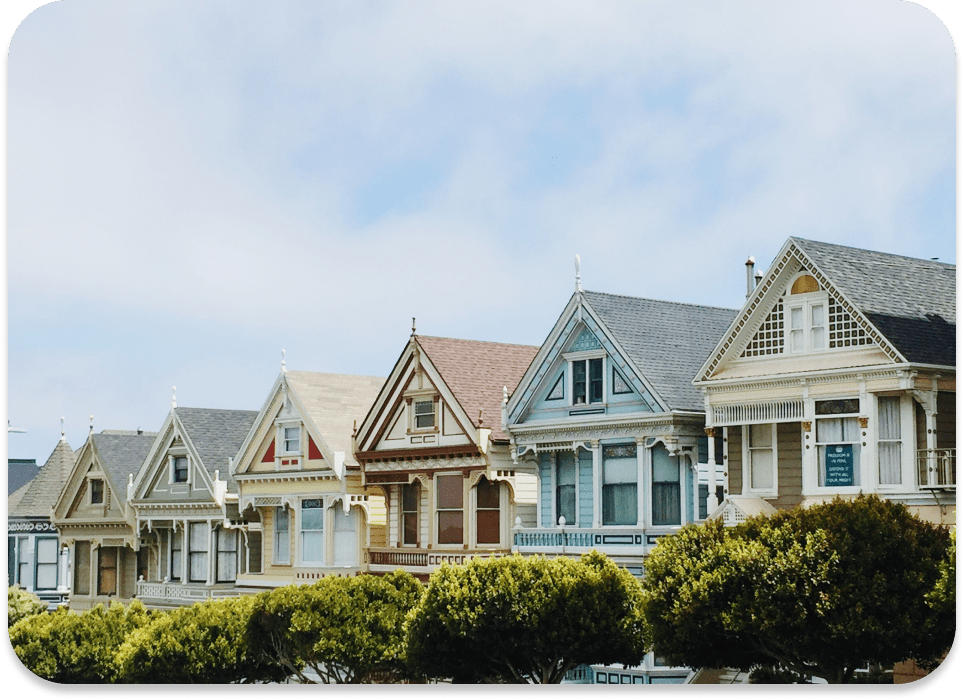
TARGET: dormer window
(424,414)
(96,491)
(179,470)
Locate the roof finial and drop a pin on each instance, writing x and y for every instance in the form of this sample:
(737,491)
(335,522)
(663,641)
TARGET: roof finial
(62,438)
(354,427)
(578,276)
(173,397)
(480,417)
(91,422)
(413,326)
(284,369)
(505,395)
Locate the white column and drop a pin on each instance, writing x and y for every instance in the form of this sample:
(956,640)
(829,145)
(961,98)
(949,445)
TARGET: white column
(712,502)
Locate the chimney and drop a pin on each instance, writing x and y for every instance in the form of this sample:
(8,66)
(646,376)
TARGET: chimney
(750,262)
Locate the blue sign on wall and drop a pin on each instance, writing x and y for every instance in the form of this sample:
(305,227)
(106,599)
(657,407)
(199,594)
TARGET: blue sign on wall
(839,464)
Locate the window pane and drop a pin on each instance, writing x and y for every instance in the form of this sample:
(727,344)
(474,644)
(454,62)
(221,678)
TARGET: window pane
(450,527)
(82,568)
(619,504)
(409,497)
(796,318)
(176,549)
(107,571)
(410,527)
(666,503)
(888,417)
(198,566)
(312,546)
(761,435)
(47,550)
(565,469)
(312,518)
(620,470)
(761,468)
(665,468)
(566,504)
(487,494)
(487,525)
(96,491)
(889,456)
(829,429)
(46,576)
(450,491)
(579,382)
(281,519)
(595,380)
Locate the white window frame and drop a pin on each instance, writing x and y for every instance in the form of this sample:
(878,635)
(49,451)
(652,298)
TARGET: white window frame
(173,468)
(748,489)
(281,443)
(413,418)
(37,563)
(860,459)
(573,358)
(323,530)
(90,490)
(806,303)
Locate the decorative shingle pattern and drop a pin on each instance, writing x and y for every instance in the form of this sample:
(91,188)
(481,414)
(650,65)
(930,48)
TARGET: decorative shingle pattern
(122,452)
(911,301)
(334,403)
(42,493)
(475,371)
(668,341)
(216,434)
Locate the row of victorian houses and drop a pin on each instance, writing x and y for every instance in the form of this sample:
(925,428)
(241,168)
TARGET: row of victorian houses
(633,418)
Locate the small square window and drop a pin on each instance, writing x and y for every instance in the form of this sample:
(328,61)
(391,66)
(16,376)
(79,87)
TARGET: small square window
(424,414)
(96,491)
(180,470)
(293,439)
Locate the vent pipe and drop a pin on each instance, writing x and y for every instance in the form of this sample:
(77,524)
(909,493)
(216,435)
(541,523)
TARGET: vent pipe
(750,262)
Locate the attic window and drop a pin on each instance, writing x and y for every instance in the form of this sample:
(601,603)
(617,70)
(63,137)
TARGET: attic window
(293,439)
(180,470)
(96,491)
(424,414)
(804,285)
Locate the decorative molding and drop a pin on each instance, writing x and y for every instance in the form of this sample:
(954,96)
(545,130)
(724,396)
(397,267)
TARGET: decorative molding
(426,463)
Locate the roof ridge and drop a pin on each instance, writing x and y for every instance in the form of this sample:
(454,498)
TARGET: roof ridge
(661,301)
(469,340)
(875,252)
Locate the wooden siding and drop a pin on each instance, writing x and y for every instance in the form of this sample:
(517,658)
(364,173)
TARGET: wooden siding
(789,466)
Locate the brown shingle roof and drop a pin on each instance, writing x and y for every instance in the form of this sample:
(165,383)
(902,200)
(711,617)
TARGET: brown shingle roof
(476,371)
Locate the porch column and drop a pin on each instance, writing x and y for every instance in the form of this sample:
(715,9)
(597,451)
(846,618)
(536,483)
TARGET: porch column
(712,502)
(596,483)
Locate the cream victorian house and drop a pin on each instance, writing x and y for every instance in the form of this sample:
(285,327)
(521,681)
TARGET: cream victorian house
(433,448)
(95,521)
(300,492)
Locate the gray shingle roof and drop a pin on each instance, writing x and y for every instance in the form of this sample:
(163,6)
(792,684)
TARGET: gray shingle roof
(216,435)
(42,493)
(20,472)
(911,301)
(122,452)
(668,341)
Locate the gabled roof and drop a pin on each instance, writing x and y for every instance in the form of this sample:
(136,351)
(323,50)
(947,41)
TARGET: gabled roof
(912,302)
(216,435)
(475,371)
(121,452)
(334,402)
(667,341)
(42,493)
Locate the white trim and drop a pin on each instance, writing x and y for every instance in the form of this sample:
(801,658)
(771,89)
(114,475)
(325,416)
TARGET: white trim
(748,490)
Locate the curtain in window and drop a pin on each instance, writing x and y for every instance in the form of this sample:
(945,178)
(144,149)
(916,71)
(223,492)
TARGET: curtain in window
(566,487)
(619,490)
(198,552)
(888,434)
(227,555)
(666,488)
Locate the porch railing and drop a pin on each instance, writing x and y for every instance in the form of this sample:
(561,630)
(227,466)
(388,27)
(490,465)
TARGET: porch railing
(539,538)
(182,592)
(937,468)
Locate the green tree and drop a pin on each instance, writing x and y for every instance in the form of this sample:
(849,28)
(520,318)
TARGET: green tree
(818,591)
(202,643)
(345,629)
(526,619)
(67,647)
(21,604)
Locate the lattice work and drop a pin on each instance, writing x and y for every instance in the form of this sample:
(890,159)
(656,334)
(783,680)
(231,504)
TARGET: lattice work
(769,339)
(844,331)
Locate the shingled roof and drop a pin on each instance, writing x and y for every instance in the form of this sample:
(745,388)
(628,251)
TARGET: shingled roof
(475,371)
(216,435)
(667,341)
(334,402)
(911,301)
(19,473)
(122,452)
(42,493)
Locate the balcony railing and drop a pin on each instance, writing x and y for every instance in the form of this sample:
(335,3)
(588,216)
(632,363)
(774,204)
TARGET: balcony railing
(937,469)
(183,592)
(552,538)
(425,558)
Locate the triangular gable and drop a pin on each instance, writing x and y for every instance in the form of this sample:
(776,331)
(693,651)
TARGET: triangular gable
(73,503)
(578,329)
(152,482)
(759,328)
(387,425)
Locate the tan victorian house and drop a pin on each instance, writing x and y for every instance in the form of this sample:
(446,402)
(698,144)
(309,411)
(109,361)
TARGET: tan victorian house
(300,489)
(95,521)
(433,447)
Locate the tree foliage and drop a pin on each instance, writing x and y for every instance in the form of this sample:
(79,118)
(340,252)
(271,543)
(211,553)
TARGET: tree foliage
(202,643)
(21,604)
(818,591)
(525,619)
(67,647)
(346,630)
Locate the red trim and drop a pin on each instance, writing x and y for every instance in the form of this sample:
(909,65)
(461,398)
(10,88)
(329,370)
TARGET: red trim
(269,455)
(313,451)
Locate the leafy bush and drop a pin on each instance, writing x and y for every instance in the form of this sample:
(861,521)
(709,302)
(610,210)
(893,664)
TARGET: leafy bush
(21,604)
(203,643)
(347,630)
(66,647)
(526,619)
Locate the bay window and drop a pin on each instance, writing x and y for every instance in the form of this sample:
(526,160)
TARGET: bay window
(449,509)
(566,487)
(667,491)
(888,440)
(619,485)
(312,531)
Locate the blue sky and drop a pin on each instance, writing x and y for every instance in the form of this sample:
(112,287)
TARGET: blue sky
(194,186)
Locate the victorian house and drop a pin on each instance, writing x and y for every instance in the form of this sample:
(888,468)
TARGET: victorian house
(190,541)
(433,447)
(94,520)
(305,512)
(837,377)
(35,560)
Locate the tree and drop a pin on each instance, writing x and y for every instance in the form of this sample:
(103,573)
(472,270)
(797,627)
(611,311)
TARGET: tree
(346,630)
(202,643)
(21,604)
(66,647)
(525,619)
(817,591)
